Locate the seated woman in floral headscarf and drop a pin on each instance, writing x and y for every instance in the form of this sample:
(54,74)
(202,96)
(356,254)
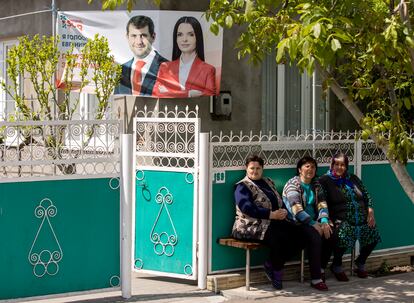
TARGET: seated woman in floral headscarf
(352,214)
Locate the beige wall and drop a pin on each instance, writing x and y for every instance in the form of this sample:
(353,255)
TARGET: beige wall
(241,78)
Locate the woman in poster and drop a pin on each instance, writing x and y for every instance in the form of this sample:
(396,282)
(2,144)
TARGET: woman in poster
(187,75)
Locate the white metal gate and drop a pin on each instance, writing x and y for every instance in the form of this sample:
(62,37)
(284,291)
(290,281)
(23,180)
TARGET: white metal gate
(166,153)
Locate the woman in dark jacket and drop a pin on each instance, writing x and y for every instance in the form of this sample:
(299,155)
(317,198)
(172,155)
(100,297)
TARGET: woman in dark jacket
(261,216)
(352,214)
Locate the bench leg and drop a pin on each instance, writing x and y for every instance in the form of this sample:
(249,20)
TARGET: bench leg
(302,266)
(247,269)
(352,260)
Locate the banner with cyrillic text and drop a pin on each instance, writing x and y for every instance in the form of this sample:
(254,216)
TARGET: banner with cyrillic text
(163,54)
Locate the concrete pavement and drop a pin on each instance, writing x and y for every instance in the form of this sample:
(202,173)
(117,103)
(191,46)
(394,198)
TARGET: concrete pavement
(392,288)
(146,288)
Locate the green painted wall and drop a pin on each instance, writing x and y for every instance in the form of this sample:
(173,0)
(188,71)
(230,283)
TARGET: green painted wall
(86,224)
(173,257)
(394,212)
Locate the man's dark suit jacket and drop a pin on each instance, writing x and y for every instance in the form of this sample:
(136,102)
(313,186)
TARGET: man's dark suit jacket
(125,88)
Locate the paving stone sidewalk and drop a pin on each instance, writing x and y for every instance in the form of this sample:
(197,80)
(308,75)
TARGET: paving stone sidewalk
(146,288)
(393,288)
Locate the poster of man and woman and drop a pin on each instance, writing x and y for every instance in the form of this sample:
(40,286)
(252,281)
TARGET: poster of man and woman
(163,54)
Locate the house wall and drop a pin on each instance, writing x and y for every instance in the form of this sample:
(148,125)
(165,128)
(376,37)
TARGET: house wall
(239,77)
(242,79)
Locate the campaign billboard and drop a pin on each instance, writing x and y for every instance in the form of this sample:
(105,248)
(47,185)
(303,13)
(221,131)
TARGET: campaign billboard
(163,54)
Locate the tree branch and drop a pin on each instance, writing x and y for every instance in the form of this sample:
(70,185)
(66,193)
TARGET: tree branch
(407,183)
(405,18)
(399,169)
(341,94)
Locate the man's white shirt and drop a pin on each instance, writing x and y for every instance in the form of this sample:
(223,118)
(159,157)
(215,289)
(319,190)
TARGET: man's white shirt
(144,70)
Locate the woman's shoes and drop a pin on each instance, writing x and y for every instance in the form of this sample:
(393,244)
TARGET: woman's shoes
(340,276)
(320,286)
(361,273)
(274,276)
(268,270)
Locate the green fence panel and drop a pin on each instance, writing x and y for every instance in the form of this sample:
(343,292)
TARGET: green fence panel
(393,209)
(164,222)
(77,246)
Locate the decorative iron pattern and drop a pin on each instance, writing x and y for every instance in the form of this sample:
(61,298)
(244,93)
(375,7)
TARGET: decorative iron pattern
(35,116)
(139,263)
(115,281)
(188,270)
(230,151)
(371,153)
(167,139)
(164,242)
(45,260)
(58,148)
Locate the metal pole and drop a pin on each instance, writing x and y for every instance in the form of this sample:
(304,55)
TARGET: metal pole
(314,103)
(54,37)
(53,18)
(314,112)
(127,181)
(357,172)
(248,269)
(203,211)
(302,266)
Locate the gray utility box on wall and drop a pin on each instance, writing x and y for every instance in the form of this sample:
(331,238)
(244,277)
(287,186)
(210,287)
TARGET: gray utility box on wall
(221,106)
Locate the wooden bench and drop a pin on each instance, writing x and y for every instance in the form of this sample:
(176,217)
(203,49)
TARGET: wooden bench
(251,245)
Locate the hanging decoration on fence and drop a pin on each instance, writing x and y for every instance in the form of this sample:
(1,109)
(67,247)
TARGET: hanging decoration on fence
(45,253)
(163,54)
(164,241)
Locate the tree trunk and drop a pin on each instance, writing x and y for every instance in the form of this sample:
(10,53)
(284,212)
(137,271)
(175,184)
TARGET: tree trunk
(407,183)
(399,169)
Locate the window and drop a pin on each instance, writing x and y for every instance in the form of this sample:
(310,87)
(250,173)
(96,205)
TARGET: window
(86,110)
(88,105)
(291,101)
(7,105)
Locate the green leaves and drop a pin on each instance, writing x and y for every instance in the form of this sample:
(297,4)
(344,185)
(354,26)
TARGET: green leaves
(281,50)
(407,103)
(249,7)
(390,32)
(36,60)
(316,30)
(105,72)
(409,41)
(113,4)
(229,21)
(367,50)
(214,28)
(335,44)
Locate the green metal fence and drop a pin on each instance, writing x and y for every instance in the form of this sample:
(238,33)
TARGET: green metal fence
(59,208)
(393,209)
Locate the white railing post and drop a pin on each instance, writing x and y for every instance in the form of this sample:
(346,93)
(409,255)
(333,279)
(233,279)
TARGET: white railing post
(357,172)
(358,158)
(203,210)
(127,189)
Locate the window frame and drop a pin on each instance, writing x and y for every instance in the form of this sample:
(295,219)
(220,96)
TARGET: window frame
(4,46)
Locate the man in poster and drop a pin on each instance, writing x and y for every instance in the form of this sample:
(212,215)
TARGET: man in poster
(140,73)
